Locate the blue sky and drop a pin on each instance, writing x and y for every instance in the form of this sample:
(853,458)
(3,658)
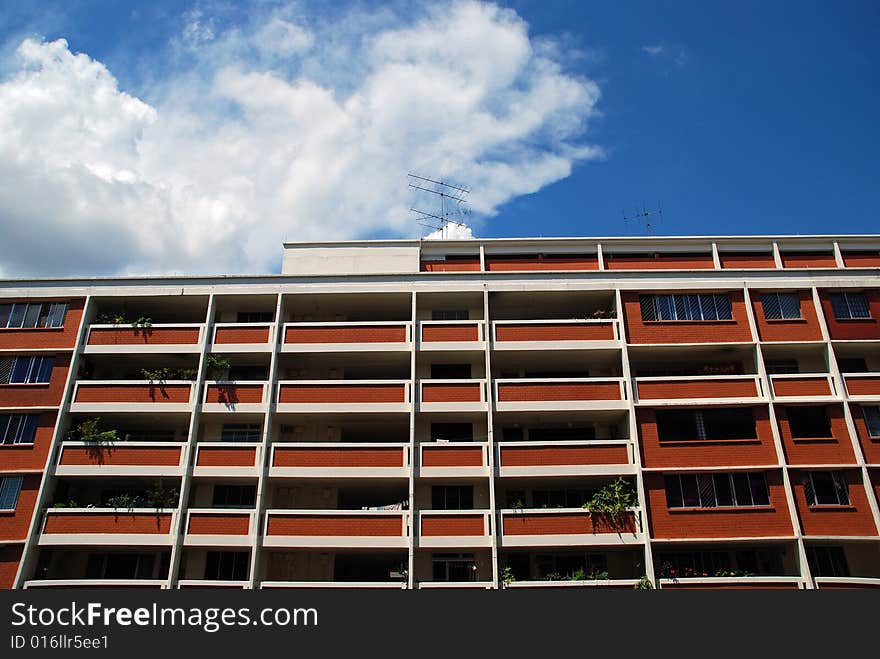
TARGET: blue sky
(195,136)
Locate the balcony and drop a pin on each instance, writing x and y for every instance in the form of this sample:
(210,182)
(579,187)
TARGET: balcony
(539,394)
(347,337)
(164,338)
(453,395)
(455,528)
(546,527)
(455,585)
(213,527)
(336,528)
(243,337)
(344,396)
(388,585)
(120,459)
(565,458)
(235,396)
(339,460)
(208,583)
(94,526)
(96,583)
(454,459)
(862,386)
(554,334)
(699,389)
(847,583)
(451,335)
(798,386)
(227,459)
(132,396)
(627,584)
(734,583)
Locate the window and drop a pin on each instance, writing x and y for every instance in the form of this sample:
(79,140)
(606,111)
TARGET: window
(804,422)
(779,306)
(241,432)
(782,366)
(450,314)
(255,317)
(18,428)
(454,432)
(32,315)
(450,371)
(825,488)
(849,305)
(872,419)
(562,498)
(452,497)
(26,370)
(120,566)
(453,567)
(227,565)
(715,424)
(10,486)
(234,496)
(827,562)
(711,306)
(736,489)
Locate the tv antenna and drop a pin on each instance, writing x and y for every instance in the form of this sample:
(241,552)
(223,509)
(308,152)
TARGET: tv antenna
(452,203)
(644,218)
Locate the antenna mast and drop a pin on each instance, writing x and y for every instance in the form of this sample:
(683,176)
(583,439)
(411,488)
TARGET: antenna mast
(452,203)
(644,218)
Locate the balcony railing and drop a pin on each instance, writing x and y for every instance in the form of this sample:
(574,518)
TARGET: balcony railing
(455,528)
(453,395)
(863,386)
(553,334)
(565,458)
(95,583)
(212,583)
(734,583)
(347,336)
(170,337)
(847,583)
(559,393)
(235,396)
(336,528)
(111,526)
(542,527)
(121,459)
(243,337)
(228,459)
(392,585)
(355,460)
(455,585)
(699,389)
(451,334)
(343,396)
(208,527)
(796,385)
(132,396)
(454,459)
(628,584)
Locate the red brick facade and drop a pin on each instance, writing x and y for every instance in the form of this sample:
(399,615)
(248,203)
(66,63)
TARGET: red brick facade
(804,329)
(686,331)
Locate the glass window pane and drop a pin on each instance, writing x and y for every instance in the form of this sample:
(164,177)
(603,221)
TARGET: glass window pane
(839,305)
(16,318)
(646,302)
(872,419)
(665,307)
(44,373)
(707,307)
(57,312)
(682,307)
(723,490)
(6,437)
(824,489)
(10,486)
(770,302)
(758,484)
(707,490)
(673,492)
(841,489)
(858,305)
(722,306)
(6,364)
(32,316)
(20,370)
(741,490)
(789,305)
(5,311)
(689,491)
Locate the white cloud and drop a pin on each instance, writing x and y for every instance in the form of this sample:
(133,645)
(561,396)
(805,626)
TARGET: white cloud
(451,231)
(235,153)
(653,51)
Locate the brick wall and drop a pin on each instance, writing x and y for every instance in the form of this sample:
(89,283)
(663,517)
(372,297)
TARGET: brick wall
(559,391)
(340,393)
(868,386)
(539,456)
(227,335)
(434,333)
(467,456)
(358,334)
(870,445)
(10,555)
(660,262)
(772,521)
(804,386)
(555,332)
(107,336)
(677,331)
(528,523)
(746,260)
(294,456)
(453,525)
(14,524)
(132,393)
(805,329)
(817,451)
(241,456)
(501,263)
(45,337)
(230,394)
(335,525)
(218,524)
(852,520)
(861,328)
(808,260)
(452,393)
(117,521)
(861,259)
(455,265)
(697,388)
(165,456)
(703,453)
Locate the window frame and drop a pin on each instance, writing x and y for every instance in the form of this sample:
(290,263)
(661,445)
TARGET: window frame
(768,300)
(839,486)
(717,480)
(685,307)
(32,366)
(875,431)
(7,485)
(841,299)
(33,315)
(25,429)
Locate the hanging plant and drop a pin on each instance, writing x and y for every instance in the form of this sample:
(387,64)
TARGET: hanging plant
(613,502)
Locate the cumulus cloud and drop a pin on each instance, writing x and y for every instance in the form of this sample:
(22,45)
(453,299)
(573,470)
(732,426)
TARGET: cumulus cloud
(452,231)
(271,134)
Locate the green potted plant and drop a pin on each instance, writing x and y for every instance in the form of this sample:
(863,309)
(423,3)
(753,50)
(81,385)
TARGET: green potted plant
(613,502)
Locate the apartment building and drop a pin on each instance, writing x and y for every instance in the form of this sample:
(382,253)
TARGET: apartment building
(447,414)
